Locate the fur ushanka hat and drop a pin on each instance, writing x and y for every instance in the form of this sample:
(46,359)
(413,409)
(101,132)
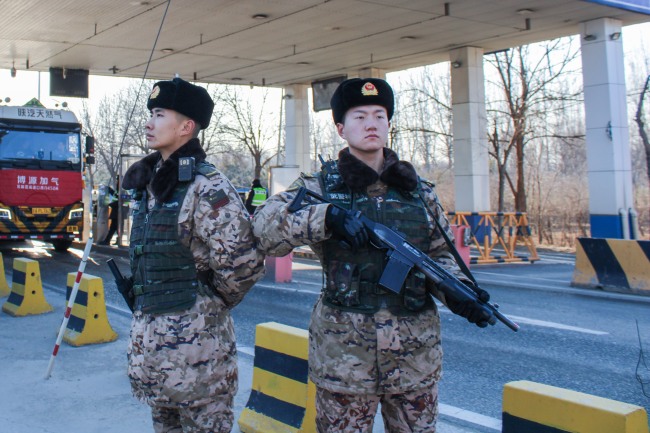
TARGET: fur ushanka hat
(186,98)
(361,91)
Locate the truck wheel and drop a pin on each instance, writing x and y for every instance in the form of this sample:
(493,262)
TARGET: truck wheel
(61,244)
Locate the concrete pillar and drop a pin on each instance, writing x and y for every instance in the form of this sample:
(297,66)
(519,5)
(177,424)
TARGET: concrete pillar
(296,146)
(297,126)
(369,73)
(608,143)
(471,170)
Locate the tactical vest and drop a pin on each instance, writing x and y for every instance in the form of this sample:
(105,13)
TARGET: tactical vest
(258,197)
(351,278)
(164,273)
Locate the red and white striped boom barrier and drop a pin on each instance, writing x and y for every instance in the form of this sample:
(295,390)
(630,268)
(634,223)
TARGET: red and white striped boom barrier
(66,316)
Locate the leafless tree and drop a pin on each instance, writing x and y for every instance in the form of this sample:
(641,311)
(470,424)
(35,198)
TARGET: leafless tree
(641,124)
(117,125)
(423,118)
(524,78)
(325,141)
(500,152)
(247,128)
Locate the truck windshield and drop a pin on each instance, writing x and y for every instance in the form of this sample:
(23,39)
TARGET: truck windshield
(39,146)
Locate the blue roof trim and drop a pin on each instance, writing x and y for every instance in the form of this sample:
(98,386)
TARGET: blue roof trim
(641,6)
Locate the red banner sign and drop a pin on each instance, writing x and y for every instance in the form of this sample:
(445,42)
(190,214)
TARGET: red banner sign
(21,187)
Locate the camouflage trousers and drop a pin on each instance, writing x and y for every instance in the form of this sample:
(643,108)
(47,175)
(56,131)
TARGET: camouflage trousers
(214,417)
(410,412)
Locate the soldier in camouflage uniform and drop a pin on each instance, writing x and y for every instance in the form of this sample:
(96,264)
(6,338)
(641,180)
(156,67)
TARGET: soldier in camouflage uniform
(368,345)
(193,258)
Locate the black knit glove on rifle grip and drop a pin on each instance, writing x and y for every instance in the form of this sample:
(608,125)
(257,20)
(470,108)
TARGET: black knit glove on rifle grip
(346,226)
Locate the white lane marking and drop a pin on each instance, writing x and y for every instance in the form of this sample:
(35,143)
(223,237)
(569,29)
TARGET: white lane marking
(471,417)
(516,277)
(247,350)
(543,323)
(297,266)
(306,283)
(442,308)
(290,289)
(556,325)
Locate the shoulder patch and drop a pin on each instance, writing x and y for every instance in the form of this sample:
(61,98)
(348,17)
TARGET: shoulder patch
(207,170)
(217,198)
(309,175)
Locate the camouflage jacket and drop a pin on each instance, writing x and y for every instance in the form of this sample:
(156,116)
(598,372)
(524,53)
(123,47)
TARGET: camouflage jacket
(352,352)
(185,358)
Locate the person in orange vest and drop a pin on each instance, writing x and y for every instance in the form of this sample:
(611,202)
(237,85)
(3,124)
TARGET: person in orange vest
(256,196)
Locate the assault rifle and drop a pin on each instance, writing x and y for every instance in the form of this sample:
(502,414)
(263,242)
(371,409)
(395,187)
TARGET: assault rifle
(124,285)
(403,256)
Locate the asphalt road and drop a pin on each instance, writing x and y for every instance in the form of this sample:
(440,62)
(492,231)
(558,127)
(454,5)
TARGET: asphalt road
(579,339)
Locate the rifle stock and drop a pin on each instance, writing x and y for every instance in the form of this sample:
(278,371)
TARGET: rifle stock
(403,256)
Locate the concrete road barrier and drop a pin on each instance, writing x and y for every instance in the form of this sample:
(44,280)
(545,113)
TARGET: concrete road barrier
(613,264)
(88,323)
(26,297)
(4,287)
(537,408)
(282,397)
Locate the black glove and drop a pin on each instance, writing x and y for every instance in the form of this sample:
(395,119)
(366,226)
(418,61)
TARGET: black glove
(347,226)
(472,311)
(481,294)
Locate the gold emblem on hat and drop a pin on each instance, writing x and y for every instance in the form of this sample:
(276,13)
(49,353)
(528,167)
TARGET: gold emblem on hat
(369,89)
(155,92)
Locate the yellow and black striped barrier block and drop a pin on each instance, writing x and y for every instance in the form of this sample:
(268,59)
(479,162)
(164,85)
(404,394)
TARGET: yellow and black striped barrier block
(88,323)
(537,408)
(4,287)
(615,264)
(282,397)
(26,297)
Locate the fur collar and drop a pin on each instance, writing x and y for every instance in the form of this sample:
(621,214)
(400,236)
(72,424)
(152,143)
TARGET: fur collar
(161,176)
(358,176)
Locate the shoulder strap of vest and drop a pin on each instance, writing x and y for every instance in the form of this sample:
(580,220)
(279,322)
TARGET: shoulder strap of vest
(428,182)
